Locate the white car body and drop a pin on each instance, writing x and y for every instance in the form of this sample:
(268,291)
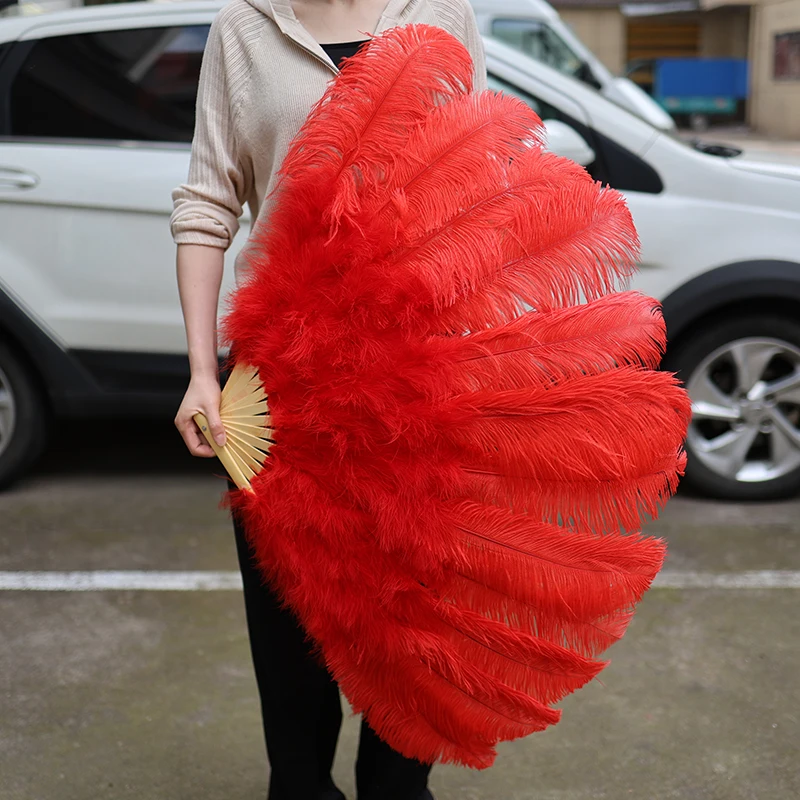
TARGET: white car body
(87,285)
(724,210)
(552,41)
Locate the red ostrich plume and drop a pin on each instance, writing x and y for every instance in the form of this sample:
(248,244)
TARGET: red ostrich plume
(469,423)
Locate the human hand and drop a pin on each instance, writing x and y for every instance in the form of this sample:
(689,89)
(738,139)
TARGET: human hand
(203,395)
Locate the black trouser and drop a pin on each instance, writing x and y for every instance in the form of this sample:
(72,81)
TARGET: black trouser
(302,713)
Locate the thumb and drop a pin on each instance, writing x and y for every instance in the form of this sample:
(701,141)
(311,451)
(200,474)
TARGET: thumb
(215,426)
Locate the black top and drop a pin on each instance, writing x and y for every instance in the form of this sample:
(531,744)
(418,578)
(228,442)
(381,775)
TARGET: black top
(337,51)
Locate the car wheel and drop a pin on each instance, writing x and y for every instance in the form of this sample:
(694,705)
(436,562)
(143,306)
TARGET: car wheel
(743,377)
(23,429)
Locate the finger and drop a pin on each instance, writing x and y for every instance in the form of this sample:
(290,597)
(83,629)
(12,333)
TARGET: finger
(199,443)
(202,451)
(215,426)
(193,438)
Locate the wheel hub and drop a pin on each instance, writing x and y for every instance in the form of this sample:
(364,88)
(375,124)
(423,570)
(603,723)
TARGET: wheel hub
(7,412)
(746,410)
(753,413)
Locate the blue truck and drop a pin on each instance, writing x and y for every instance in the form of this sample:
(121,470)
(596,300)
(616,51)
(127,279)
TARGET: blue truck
(701,88)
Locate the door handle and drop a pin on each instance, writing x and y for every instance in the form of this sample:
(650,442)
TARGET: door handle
(11,178)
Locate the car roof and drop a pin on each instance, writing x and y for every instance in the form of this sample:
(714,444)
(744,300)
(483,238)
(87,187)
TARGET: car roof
(515,8)
(12,28)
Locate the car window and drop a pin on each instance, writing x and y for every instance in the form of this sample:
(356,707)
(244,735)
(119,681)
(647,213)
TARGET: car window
(540,41)
(131,85)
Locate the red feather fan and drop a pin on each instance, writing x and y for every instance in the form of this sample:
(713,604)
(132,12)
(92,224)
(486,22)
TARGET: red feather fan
(468,421)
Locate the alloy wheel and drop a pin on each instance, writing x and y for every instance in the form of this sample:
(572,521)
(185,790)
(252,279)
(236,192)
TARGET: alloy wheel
(746,410)
(7,412)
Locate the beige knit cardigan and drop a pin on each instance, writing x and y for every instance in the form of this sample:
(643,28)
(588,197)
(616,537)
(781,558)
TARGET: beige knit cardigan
(262,73)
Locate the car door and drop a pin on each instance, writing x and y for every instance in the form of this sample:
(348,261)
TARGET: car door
(97,133)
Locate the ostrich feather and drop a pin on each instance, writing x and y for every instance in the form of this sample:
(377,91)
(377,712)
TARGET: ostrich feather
(468,420)
(358,129)
(542,347)
(535,231)
(626,426)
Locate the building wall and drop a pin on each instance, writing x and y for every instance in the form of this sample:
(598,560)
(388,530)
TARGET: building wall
(774,104)
(602,30)
(725,33)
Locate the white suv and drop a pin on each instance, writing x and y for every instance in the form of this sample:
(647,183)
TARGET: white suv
(96,117)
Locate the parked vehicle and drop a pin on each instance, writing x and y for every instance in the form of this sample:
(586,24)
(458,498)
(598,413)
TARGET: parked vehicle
(96,116)
(534,27)
(701,89)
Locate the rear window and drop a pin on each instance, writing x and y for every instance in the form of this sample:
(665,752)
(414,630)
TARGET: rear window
(132,85)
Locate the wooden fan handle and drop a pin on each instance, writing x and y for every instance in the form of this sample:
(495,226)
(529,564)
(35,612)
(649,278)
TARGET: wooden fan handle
(223,454)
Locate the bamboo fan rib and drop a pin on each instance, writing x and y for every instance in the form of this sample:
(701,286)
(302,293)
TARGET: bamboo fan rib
(248,427)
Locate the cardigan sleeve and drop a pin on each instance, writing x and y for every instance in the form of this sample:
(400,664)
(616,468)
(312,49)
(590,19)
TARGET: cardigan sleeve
(457,17)
(206,209)
(474,44)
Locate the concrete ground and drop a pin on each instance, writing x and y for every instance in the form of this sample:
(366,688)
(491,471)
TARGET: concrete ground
(148,695)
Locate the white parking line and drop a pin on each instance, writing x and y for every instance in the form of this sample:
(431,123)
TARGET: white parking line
(761,579)
(143,580)
(136,580)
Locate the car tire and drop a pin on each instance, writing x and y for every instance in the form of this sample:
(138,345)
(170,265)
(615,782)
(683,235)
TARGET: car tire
(717,363)
(23,433)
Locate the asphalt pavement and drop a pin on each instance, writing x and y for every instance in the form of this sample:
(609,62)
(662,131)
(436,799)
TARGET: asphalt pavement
(146,693)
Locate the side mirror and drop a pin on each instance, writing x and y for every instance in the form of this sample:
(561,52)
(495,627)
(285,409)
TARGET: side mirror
(584,73)
(564,140)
